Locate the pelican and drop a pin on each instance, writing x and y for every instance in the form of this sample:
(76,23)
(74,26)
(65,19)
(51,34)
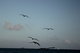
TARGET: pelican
(49,28)
(33,38)
(35,43)
(24,15)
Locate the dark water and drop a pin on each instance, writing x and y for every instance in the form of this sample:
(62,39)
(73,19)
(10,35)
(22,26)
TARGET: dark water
(21,50)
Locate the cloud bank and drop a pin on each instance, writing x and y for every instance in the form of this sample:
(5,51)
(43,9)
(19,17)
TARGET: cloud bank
(10,26)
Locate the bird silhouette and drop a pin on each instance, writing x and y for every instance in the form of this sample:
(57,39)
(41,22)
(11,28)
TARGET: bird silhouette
(48,28)
(35,43)
(33,38)
(24,15)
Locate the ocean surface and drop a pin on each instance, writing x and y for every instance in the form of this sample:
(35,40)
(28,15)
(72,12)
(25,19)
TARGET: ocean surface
(41,50)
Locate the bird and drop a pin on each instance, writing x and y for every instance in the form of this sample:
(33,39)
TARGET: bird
(24,15)
(33,38)
(35,43)
(48,28)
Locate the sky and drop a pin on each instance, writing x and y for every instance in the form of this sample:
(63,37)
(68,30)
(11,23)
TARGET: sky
(61,15)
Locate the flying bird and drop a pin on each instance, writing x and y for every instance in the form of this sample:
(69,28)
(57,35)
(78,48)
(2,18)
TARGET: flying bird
(48,28)
(24,15)
(35,43)
(33,38)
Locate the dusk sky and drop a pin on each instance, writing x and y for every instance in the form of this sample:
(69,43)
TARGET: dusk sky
(61,15)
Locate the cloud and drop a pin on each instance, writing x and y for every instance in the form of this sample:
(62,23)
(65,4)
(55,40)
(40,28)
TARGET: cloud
(10,26)
(18,27)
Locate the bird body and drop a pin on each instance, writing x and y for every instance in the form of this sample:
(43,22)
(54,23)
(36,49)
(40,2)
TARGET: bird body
(49,28)
(24,15)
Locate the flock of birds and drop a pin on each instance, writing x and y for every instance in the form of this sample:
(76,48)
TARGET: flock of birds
(26,16)
(35,40)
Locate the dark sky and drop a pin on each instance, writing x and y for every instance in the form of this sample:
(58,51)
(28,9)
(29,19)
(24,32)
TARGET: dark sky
(61,15)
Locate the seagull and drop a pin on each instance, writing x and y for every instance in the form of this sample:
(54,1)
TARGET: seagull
(24,15)
(35,43)
(33,38)
(49,28)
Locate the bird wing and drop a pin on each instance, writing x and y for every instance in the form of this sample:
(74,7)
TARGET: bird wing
(29,37)
(24,15)
(37,43)
(49,28)
(46,28)
(27,16)
(35,39)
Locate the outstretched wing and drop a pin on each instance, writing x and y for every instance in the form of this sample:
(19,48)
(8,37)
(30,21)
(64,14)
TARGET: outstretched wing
(24,15)
(29,37)
(51,28)
(33,38)
(37,43)
(48,28)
